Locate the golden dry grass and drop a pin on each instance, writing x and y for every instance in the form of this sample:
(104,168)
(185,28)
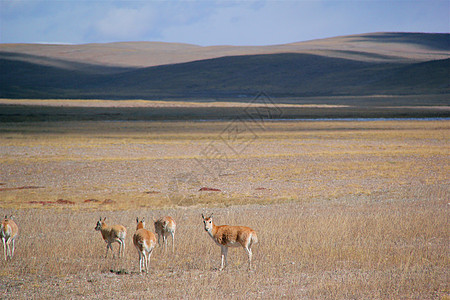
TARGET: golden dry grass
(343,210)
(310,250)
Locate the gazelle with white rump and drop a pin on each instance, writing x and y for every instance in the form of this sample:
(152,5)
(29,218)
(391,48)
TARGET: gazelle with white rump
(231,236)
(164,227)
(8,234)
(145,241)
(111,234)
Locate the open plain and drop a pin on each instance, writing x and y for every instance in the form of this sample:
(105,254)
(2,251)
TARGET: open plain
(343,209)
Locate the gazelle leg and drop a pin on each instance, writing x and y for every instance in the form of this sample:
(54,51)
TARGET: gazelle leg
(121,247)
(8,246)
(224,252)
(226,256)
(144,261)
(4,247)
(148,259)
(12,249)
(108,246)
(249,253)
(140,262)
(173,242)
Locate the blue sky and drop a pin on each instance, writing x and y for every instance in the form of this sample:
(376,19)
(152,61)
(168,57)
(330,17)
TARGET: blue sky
(247,22)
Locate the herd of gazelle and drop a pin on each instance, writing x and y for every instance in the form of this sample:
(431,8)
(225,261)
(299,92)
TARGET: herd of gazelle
(145,241)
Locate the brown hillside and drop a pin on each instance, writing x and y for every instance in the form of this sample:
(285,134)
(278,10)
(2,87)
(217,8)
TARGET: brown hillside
(388,47)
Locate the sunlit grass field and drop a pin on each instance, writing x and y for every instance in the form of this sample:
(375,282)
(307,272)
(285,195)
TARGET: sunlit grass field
(343,210)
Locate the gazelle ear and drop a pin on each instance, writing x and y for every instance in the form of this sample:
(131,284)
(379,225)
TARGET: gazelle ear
(203,216)
(104,219)
(137,219)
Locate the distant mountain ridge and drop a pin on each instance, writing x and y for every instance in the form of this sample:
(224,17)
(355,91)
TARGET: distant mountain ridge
(374,46)
(368,64)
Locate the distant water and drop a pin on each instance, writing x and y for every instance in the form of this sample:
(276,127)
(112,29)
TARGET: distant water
(365,119)
(328,119)
(286,120)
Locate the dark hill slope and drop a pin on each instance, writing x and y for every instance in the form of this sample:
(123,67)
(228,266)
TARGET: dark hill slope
(431,41)
(29,80)
(418,78)
(280,75)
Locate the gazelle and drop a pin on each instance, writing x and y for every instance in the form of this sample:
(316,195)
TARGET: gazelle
(8,233)
(145,241)
(231,236)
(164,227)
(111,234)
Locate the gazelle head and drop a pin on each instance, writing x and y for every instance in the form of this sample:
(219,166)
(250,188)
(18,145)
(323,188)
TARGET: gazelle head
(207,222)
(140,224)
(99,224)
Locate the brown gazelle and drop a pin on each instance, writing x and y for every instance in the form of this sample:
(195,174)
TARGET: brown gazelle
(164,227)
(8,233)
(145,241)
(111,234)
(231,236)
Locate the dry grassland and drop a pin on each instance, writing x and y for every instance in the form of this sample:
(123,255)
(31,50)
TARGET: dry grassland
(343,210)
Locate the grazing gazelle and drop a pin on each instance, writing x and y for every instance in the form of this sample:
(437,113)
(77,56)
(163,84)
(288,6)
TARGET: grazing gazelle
(8,233)
(145,241)
(231,236)
(164,227)
(111,234)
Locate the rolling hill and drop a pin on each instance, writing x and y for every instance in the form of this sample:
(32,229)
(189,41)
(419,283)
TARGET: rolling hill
(360,65)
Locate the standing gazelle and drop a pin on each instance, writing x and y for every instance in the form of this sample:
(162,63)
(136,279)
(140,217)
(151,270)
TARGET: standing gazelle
(231,236)
(111,234)
(8,233)
(145,241)
(164,227)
